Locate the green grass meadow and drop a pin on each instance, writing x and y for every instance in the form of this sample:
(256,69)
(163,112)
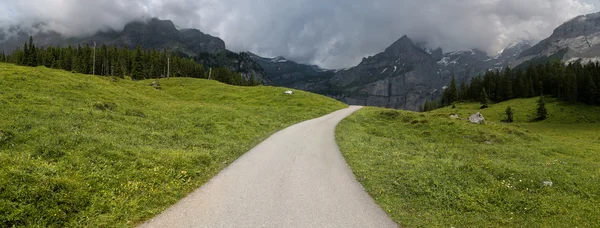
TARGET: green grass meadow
(427,170)
(86,151)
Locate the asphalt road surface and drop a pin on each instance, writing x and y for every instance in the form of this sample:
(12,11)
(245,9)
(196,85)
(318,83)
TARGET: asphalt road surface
(295,178)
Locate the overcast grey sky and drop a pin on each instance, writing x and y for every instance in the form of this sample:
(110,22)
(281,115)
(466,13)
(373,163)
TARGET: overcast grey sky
(330,33)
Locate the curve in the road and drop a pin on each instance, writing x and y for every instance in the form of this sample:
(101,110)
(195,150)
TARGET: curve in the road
(295,178)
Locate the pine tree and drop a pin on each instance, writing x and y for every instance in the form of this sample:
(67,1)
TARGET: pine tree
(25,60)
(508,87)
(530,87)
(522,85)
(509,114)
(532,74)
(253,81)
(136,70)
(591,91)
(32,58)
(485,100)
(542,113)
(571,87)
(450,95)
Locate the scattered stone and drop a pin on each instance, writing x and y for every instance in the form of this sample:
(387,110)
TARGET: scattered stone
(547,183)
(454,117)
(289,92)
(488,142)
(155,84)
(477,118)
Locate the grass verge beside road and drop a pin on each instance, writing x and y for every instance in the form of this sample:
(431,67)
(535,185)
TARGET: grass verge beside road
(84,151)
(427,170)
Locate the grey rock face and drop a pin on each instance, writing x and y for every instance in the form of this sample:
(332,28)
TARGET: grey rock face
(286,73)
(154,33)
(241,63)
(402,77)
(405,75)
(577,39)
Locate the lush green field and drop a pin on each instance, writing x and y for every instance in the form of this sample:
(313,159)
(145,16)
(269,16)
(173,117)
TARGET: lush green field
(427,170)
(84,151)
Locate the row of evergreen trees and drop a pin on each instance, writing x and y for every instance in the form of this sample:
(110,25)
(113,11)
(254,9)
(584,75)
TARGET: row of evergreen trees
(119,62)
(575,82)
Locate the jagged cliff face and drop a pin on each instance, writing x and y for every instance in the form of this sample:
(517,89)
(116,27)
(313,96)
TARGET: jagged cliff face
(402,77)
(577,39)
(154,33)
(405,75)
(241,63)
(286,73)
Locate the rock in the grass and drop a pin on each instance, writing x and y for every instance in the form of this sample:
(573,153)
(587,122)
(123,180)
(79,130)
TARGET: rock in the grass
(454,117)
(477,118)
(547,183)
(289,92)
(155,84)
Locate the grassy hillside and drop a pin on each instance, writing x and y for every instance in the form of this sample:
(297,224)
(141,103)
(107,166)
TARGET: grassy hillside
(427,170)
(525,111)
(86,151)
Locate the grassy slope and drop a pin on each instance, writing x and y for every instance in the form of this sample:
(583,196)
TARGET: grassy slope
(79,150)
(427,170)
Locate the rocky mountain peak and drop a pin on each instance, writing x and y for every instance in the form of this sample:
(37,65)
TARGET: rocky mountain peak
(152,25)
(402,45)
(578,26)
(576,39)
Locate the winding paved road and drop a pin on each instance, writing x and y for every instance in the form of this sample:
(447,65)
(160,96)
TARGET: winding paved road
(295,178)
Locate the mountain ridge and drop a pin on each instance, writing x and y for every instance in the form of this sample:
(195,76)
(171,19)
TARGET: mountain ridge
(403,76)
(158,34)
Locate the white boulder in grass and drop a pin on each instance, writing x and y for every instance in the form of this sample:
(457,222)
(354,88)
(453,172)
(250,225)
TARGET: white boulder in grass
(289,92)
(477,118)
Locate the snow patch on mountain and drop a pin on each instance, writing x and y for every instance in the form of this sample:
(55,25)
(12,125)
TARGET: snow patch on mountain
(279,60)
(583,60)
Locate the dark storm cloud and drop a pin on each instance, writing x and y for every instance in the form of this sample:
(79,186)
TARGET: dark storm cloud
(331,33)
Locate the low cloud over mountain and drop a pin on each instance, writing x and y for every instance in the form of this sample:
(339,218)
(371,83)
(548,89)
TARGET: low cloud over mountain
(331,33)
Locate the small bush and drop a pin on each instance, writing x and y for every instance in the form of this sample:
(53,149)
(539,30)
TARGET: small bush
(390,114)
(424,121)
(414,122)
(509,114)
(105,106)
(5,137)
(135,113)
(49,152)
(407,119)
(542,113)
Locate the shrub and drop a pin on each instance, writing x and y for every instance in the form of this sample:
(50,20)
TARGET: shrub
(542,113)
(509,115)
(105,106)
(407,119)
(135,113)
(5,136)
(390,114)
(49,152)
